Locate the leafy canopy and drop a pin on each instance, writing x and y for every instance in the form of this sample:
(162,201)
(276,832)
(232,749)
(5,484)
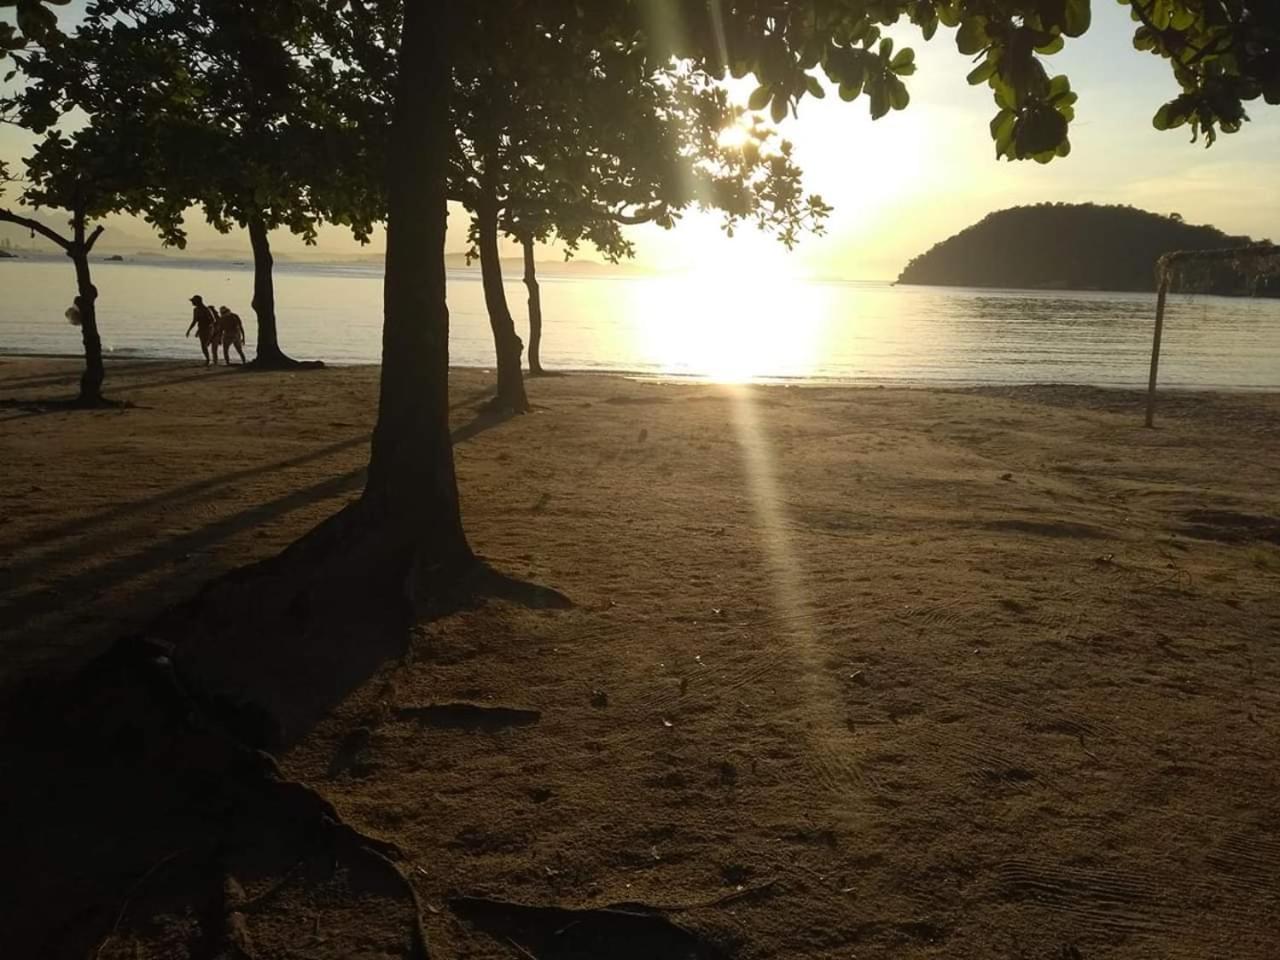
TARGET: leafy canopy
(568,136)
(1223,53)
(241,100)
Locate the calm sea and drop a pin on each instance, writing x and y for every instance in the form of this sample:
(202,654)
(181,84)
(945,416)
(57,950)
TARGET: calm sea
(724,326)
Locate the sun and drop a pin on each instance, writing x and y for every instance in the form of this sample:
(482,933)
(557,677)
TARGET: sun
(740,316)
(735,136)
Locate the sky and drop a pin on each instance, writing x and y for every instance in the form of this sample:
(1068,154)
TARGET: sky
(913,178)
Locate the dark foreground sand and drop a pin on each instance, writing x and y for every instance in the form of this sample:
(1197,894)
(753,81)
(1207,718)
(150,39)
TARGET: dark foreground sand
(850,673)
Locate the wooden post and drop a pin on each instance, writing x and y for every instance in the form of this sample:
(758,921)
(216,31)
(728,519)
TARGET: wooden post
(1155,343)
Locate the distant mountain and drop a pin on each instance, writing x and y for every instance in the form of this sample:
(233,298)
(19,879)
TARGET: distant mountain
(1065,246)
(113,238)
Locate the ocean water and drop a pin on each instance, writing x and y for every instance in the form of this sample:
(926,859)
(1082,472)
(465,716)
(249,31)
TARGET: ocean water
(721,326)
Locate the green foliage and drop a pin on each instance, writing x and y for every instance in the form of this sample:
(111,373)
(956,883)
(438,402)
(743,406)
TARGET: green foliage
(1069,246)
(601,114)
(33,22)
(573,138)
(1223,53)
(233,106)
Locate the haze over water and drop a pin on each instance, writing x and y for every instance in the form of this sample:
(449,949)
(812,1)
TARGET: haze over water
(716,324)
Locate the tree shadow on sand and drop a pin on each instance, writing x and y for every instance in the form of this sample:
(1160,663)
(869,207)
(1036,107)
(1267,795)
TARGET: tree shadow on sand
(144,818)
(42,405)
(116,369)
(145,770)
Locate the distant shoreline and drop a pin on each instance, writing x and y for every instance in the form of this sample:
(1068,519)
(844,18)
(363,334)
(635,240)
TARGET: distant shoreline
(1054,288)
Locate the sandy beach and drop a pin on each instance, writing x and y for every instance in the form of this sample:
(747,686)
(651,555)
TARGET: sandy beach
(848,672)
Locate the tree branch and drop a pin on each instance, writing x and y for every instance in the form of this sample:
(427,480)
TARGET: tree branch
(640,216)
(93,237)
(35,226)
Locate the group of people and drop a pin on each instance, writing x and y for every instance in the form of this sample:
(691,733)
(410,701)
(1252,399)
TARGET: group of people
(216,328)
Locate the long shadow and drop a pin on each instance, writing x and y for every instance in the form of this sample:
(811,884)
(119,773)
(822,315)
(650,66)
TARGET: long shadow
(80,524)
(47,405)
(482,421)
(63,404)
(113,370)
(16,610)
(170,550)
(124,770)
(480,394)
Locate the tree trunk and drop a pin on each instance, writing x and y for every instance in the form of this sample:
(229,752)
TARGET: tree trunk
(506,341)
(411,482)
(269,356)
(535,308)
(86,303)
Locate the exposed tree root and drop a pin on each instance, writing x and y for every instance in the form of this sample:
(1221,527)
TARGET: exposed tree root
(133,890)
(235,942)
(179,779)
(166,730)
(282,363)
(469,716)
(393,871)
(624,933)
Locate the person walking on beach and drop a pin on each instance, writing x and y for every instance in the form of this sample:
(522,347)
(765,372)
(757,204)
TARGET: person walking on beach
(230,333)
(204,321)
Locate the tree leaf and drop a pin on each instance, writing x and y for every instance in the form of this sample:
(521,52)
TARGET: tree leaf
(982,72)
(779,108)
(898,95)
(1078,18)
(972,36)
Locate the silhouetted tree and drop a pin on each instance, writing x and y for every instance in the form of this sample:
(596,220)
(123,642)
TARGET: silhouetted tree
(748,178)
(248,108)
(563,137)
(57,180)
(100,168)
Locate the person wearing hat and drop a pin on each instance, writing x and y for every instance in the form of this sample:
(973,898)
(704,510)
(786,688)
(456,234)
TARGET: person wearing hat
(230,333)
(204,321)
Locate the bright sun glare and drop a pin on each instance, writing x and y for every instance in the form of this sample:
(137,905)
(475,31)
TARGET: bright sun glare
(730,322)
(734,136)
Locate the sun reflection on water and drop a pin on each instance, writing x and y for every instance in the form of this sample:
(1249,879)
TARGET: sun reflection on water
(730,325)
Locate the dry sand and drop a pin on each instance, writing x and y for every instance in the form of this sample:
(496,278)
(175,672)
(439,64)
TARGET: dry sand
(850,672)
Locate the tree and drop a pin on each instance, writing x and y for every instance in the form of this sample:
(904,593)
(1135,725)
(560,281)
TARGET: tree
(559,137)
(58,179)
(248,109)
(723,159)
(98,169)
(1223,53)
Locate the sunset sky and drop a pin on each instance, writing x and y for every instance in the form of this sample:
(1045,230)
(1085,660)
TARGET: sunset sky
(915,177)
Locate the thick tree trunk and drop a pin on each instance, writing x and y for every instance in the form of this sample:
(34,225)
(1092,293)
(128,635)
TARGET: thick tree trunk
(335,599)
(86,297)
(269,356)
(506,341)
(535,307)
(412,486)
(86,303)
